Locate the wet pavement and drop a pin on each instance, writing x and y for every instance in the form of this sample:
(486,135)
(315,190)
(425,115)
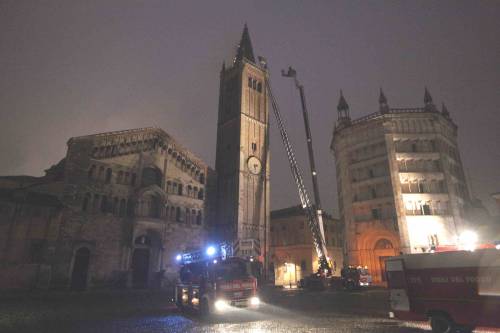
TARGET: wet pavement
(289,312)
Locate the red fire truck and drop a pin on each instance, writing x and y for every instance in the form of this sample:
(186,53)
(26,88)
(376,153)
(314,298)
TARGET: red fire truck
(457,290)
(213,281)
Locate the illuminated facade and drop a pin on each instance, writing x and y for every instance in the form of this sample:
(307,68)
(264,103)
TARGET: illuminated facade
(242,159)
(400,181)
(293,255)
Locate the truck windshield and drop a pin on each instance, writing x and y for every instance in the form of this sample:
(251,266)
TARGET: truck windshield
(228,270)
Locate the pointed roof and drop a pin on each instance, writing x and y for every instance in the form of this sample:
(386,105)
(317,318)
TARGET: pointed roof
(382,99)
(342,103)
(427,97)
(245,50)
(444,110)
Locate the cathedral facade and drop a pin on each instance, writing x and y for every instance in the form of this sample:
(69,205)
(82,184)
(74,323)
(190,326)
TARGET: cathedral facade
(114,212)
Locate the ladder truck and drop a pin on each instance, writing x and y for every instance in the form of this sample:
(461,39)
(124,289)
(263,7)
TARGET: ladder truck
(313,211)
(213,281)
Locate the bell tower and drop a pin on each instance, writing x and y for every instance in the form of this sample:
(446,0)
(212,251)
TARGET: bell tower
(242,158)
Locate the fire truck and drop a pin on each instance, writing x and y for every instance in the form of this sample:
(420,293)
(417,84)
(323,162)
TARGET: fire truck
(214,281)
(456,290)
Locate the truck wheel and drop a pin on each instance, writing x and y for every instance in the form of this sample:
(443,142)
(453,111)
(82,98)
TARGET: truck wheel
(441,324)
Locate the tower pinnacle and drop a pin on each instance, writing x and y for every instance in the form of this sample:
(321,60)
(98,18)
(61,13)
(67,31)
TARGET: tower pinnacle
(343,109)
(342,106)
(429,106)
(382,100)
(444,111)
(245,50)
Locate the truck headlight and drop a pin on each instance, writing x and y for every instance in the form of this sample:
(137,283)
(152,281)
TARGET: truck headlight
(254,301)
(221,305)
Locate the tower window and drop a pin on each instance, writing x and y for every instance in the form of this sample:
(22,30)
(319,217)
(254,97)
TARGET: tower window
(254,146)
(259,87)
(249,82)
(426,209)
(254,84)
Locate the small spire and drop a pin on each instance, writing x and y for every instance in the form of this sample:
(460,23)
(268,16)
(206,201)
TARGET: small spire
(245,50)
(429,106)
(427,97)
(382,100)
(444,111)
(342,106)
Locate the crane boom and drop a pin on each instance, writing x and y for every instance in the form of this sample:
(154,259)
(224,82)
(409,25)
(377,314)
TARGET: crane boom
(314,222)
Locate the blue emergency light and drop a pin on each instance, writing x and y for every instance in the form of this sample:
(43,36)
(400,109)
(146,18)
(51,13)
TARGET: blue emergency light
(211,251)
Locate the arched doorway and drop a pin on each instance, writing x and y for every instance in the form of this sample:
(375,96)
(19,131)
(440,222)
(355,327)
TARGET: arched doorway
(383,250)
(79,276)
(140,262)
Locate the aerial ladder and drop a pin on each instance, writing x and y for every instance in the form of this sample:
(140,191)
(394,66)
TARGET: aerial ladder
(313,211)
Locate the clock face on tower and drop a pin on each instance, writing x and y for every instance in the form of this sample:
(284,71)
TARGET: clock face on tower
(254,165)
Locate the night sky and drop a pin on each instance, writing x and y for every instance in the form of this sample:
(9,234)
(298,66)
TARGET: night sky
(70,68)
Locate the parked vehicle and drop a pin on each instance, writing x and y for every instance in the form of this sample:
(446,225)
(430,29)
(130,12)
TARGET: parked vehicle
(354,278)
(215,282)
(457,290)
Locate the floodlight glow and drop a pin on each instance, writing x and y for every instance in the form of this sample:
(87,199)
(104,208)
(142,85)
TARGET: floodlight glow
(178,257)
(468,240)
(210,250)
(254,301)
(221,305)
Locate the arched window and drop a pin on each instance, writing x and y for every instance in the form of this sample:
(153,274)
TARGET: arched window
(151,176)
(116,206)
(179,189)
(109,172)
(202,178)
(195,192)
(383,244)
(130,208)
(123,207)
(154,206)
(189,191)
(91,173)
(104,204)
(199,218)
(169,186)
(119,179)
(178,216)
(188,216)
(200,194)
(101,172)
(133,179)
(172,213)
(86,200)
(125,181)
(95,203)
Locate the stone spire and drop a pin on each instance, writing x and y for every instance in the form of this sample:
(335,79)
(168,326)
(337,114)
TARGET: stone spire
(382,101)
(342,106)
(343,109)
(245,50)
(444,111)
(429,106)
